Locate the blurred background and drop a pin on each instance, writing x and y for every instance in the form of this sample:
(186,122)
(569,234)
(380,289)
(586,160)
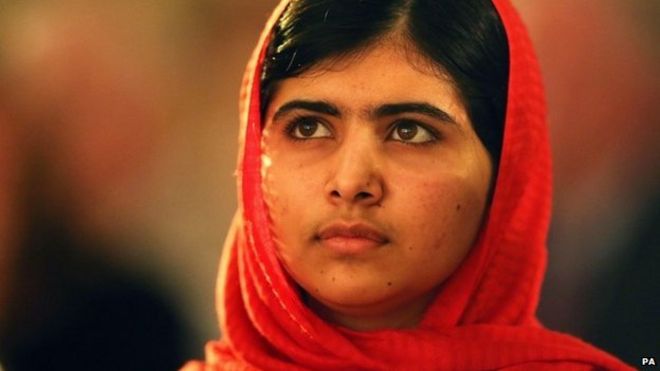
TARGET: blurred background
(118,128)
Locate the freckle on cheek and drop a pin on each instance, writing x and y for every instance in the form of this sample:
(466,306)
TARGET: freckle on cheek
(458,207)
(438,246)
(389,283)
(333,279)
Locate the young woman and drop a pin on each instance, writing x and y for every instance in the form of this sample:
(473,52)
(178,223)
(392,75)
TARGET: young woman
(394,182)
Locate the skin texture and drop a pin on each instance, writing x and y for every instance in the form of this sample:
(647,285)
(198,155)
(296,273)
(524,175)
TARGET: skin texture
(424,193)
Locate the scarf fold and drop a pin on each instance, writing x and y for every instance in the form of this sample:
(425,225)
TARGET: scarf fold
(484,315)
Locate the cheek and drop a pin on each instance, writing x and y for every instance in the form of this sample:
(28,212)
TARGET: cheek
(289,191)
(294,204)
(439,221)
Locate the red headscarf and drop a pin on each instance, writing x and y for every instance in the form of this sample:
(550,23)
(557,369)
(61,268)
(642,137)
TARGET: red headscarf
(484,316)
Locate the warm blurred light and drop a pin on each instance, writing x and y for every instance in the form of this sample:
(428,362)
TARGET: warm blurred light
(121,117)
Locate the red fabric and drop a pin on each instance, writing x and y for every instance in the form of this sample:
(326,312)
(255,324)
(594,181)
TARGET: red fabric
(483,318)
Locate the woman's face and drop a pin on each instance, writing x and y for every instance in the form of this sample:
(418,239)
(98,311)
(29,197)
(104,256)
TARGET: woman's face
(375,181)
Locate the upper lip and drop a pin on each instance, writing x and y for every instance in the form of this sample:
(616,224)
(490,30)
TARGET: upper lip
(352,230)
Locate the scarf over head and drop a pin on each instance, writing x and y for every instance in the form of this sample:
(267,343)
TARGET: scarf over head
(484,315)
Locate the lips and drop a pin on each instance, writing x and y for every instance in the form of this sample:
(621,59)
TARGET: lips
(351,238)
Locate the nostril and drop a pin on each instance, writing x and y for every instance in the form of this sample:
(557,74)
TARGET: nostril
(335,193)
(362,195)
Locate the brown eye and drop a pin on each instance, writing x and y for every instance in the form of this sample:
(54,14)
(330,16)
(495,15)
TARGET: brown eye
(307,128)
(406,131)
(411,132)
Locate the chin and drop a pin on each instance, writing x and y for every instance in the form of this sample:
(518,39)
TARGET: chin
(351,296)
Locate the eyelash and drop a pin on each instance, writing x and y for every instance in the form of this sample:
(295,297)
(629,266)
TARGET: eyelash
(299,119)
(433,132)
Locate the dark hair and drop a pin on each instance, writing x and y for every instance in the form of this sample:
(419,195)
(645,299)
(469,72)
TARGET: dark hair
(463,38)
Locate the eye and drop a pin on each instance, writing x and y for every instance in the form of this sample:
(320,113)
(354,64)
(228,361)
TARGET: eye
(411,132)
(307,128)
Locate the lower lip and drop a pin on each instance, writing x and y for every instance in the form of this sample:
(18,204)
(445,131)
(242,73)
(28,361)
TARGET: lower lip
(350,245)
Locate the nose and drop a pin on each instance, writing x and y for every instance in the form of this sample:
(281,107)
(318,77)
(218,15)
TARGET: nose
(355,178)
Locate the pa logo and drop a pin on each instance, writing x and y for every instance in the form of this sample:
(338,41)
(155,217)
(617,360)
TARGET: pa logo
(648,361)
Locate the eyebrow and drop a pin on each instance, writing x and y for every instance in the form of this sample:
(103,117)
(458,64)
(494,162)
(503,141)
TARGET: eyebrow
(414,107)
(314,106)
(391,109)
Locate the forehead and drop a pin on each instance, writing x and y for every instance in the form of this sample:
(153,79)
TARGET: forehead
(383,73)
